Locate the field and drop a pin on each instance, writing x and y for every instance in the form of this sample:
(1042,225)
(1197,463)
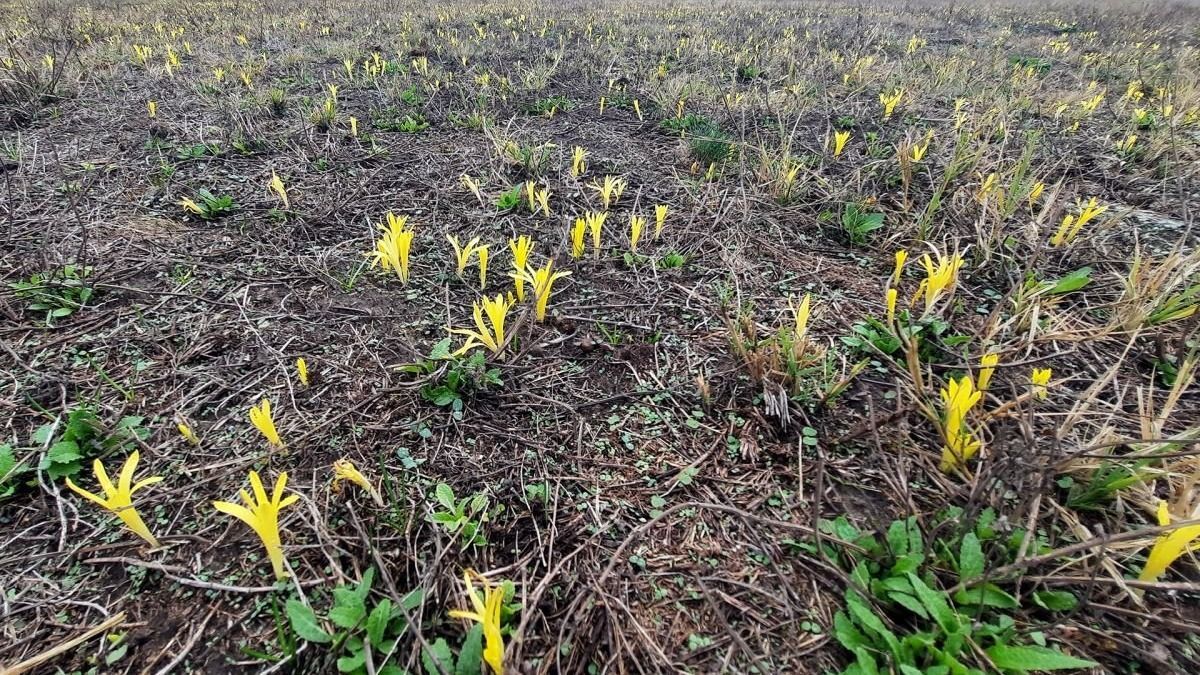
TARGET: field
(619,337)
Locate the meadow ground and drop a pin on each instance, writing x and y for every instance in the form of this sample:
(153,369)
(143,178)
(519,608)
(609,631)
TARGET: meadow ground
(876,354)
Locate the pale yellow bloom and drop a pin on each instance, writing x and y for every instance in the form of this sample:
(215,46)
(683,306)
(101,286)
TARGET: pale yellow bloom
(344,469)
(302,371)
(1040,379)
(119,498)
(636,225)
(801,314)
(260,417)
(939,278)
(577,235)
(262,515)
(987,365)
(277,186)
(187,433)
(492,338)
(152,108)
(578,161)
(660,219)
(892,295)
(520,247)
(839,142)
(961,444)
(486,612)
(1169,546)
(542,279)
(898,268)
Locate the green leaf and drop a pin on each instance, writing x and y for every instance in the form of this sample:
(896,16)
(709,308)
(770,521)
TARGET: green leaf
(970,558)
(988,595)
(866,662)
(304,622)
(470,657)
(63,452)
(349,608)
(355,660)
(441,350)
(1010,657)
(908,602)
(846,633)
(1072,282)
(1057,601)
(866,618)
(936,604)
(438,654)
(445,496)
(377,621)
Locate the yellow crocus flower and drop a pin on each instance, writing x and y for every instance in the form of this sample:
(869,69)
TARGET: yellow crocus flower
(987,366)
(1169,546)
(577,235)
(542,279)
(344,469)
(957,401)
(660,219)
(839,142)
(486,612)
(302,371)
(277,186)
(1040,379)
(901,258)
(119,498)
(801,314)
(262,515)
(636,225)
(260,417)
(520,247)
(493,338)
(578,161)
(892,295)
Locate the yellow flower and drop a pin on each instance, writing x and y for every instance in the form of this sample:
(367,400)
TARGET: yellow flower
(462,254)
(938,278)
(1040,378)
(543,199)
(262,515)
(1169,546)
(595,223)
(277,186)
(344,469)
(119,498)
(1072,225)
(393,247)
(520,247)
(918,150)
(801,313)
(1035,192)
(889,101)
(901,258)
(354,126)
(660,219)
(636,225)
(260,417)
(530,195)
(497,311)
(187,433)
(637,108)
(486,612)
(957,401)
(482,252)
(542,279)
(302,370)
(577,234)
(152,108)
(891,305)
(610,190)
(578,161)
(987,365)
(839,142)
(191,206)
